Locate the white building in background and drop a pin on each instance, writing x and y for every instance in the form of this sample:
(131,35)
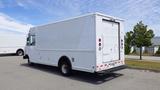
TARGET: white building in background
(155,45)
(138,50)
(149,50)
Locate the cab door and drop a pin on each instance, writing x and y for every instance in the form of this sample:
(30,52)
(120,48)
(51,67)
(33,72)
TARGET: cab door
(30,48)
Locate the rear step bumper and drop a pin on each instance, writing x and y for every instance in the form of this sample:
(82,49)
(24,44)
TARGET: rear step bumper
(112,69)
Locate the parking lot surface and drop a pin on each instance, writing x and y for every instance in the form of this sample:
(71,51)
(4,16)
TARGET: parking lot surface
(15,74)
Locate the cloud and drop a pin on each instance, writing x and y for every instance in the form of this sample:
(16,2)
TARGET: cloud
(146,10)
(132,11)
(8,23)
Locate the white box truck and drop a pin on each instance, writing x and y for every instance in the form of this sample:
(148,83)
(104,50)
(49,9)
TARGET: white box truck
(12,44)
(90,43)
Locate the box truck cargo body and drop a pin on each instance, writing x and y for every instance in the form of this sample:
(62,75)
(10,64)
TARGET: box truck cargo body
(11,44)
(91,43)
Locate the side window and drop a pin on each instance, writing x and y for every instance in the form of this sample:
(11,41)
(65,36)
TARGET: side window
(28,40)
(31,40)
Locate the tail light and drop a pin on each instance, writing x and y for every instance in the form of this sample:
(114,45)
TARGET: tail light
(121,43)
(100,43)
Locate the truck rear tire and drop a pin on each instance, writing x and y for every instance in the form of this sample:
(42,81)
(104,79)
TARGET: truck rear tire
(65,68)
(20,52)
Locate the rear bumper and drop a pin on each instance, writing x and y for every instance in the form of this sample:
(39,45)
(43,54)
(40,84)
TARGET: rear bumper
(113,69)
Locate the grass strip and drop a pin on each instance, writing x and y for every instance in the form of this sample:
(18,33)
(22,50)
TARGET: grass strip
(142,64)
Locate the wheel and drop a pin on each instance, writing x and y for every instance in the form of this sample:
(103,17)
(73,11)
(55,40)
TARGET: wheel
(65,68)
(20,52)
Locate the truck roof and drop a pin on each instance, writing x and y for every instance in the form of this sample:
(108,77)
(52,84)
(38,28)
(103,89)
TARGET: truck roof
(96,13)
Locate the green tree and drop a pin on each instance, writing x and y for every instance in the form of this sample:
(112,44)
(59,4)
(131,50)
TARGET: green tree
(142,36)
(128,41)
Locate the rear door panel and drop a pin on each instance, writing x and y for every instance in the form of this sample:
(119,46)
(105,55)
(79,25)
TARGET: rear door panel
(110,38)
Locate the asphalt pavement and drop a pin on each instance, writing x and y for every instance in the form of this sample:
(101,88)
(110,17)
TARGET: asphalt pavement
(15,74)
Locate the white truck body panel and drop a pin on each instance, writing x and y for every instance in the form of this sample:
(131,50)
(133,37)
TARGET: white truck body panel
(11,43)
(77,39)
(112,35)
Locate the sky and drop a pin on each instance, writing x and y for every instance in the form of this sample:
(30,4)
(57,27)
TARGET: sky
(17,16)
